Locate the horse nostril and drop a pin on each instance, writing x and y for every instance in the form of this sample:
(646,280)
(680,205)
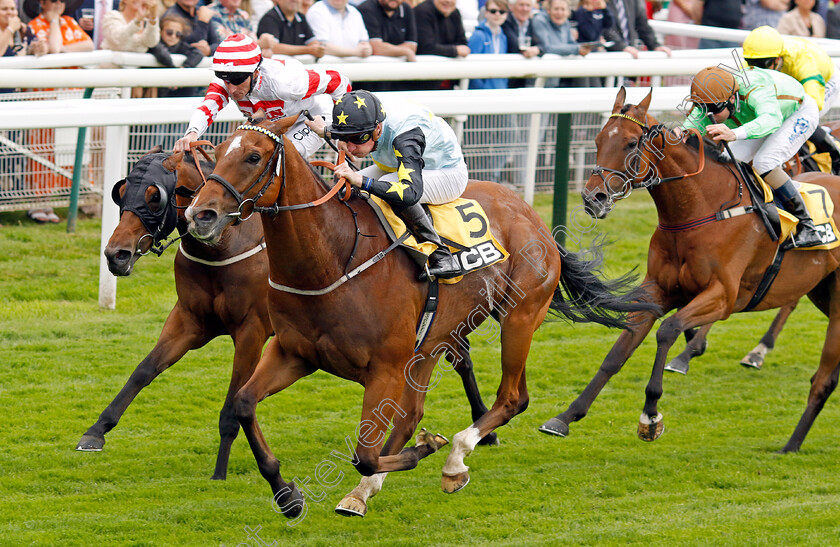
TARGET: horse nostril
(122,256)
(600,197)
(206,216)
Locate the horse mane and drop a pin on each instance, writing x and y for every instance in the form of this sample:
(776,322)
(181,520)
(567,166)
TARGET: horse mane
(709,148)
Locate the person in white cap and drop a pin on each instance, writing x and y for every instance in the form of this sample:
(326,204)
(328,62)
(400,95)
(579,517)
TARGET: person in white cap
(266,87)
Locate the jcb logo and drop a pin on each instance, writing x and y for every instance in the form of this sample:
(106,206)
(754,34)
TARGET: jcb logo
(479,256)
(826,233)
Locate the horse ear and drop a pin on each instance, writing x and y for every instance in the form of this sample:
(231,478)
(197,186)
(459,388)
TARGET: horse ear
(619,100)
(283,124)
(172,161)
(645,104)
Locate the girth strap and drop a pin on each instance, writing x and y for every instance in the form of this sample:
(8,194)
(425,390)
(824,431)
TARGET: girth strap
(428,315)
(769,276)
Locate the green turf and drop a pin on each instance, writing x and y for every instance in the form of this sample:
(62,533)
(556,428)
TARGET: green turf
(714,478)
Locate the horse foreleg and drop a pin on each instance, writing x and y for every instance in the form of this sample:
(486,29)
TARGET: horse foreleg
(623,348)
(275,371)
(247,342)
(706,308)
(695,347)
(755,358)
(825,379)
(464,367)
(178,336)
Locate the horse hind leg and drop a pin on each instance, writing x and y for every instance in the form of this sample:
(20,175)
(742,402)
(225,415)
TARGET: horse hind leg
(696,343)
(825,379)
(755,358)
(511,397)
(462,362)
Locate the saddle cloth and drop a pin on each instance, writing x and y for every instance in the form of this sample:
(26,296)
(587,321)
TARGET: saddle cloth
(819,205)
(462,224)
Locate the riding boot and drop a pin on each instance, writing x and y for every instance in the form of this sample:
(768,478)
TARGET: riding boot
(825,142)
(441,262)
(806,233)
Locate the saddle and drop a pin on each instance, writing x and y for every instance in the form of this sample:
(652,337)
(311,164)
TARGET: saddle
(462,224)
(817,200)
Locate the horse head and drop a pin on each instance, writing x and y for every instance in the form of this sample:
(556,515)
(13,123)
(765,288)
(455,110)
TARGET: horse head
(619,155)
(247,164)
(149,198)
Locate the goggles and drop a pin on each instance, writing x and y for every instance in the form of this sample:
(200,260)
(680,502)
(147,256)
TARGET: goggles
(712,108)
(359,138)
(234,78)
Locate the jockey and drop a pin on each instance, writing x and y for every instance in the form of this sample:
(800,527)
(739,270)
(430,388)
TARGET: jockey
(269,87)
(767,116)
(808,63)
(416,156)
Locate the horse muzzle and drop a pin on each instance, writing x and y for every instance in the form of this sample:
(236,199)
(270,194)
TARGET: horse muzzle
(596,204)
(206,225)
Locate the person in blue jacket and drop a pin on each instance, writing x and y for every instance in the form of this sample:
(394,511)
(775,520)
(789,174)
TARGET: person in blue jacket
(488,37)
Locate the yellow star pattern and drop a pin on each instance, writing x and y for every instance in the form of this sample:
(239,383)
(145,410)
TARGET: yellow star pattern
(360,102)
(342,118)
(338,101)
(397,153)
(403,173)
(397,187)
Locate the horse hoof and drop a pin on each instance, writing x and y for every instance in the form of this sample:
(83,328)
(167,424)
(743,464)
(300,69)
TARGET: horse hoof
(351,506)
(89,443)
(556,427)
(453,483)
(650,430)
(678,365)
(490,440)
(293,504)
(753,360)
(435,440)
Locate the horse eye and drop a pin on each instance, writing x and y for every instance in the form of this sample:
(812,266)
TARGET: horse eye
(254,158)
(154,199)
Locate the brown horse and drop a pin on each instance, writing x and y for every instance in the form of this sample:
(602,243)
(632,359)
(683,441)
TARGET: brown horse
(709,271)
(332,313)
(221,290)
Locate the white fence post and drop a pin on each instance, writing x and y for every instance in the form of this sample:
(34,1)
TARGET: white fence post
(116,153)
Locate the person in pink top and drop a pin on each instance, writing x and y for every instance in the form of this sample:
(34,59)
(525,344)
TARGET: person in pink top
(266,87)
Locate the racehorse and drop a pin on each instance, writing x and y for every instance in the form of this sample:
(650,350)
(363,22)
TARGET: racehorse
(221,290)
(696,338)
(361,326)
(708,271)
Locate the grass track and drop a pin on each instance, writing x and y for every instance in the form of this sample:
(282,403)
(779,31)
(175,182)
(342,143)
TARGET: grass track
(713,478)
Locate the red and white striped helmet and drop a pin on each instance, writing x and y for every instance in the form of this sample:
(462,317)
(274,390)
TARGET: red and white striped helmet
(237,53)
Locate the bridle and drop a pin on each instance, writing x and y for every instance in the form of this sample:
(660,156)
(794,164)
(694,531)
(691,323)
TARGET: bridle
(630,176)
(247,206)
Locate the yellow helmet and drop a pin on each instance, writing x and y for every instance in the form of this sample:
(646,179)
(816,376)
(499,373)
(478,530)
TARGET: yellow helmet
(764,43)
(713,85)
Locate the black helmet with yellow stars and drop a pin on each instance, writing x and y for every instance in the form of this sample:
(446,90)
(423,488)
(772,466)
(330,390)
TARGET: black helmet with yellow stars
(355,116)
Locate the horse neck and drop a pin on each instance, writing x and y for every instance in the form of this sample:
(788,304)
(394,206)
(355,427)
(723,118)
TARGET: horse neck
(695,196)
(308,248)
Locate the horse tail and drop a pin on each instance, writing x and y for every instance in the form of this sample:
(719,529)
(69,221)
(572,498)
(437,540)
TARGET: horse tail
(584,295)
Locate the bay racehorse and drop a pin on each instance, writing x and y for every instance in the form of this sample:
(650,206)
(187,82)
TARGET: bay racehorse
(361,326)
(709,271)
(221,290)
(696,338)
